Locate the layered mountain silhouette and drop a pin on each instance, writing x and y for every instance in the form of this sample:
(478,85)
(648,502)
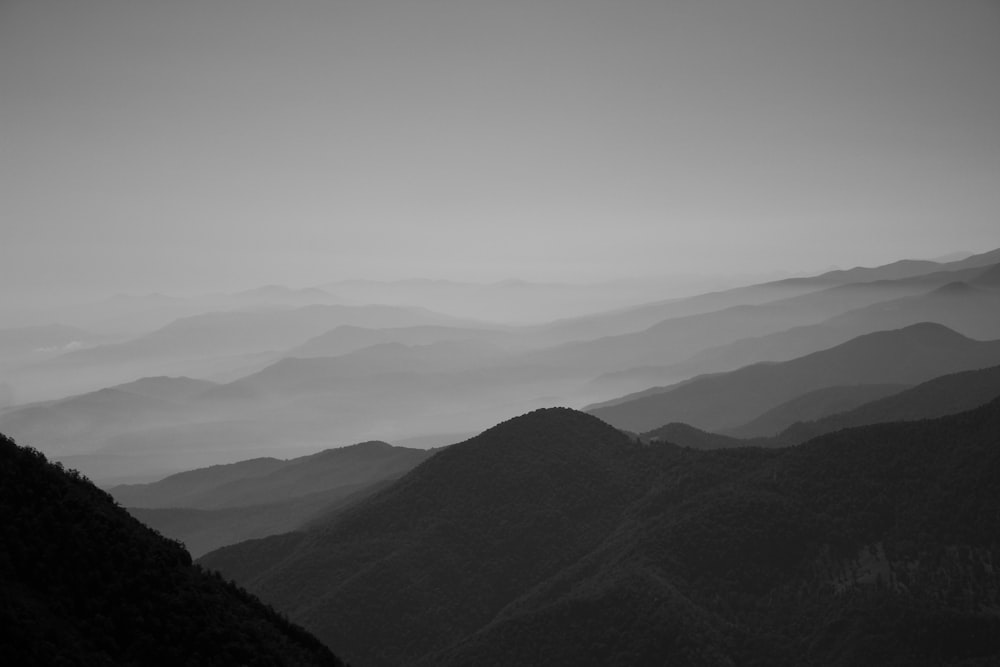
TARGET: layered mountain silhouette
(632,319)
(938,397)
(83,583)
(717,402)
(814,405)
(346,339)
(555,539)
(211,507)
(969,307)
(216,342)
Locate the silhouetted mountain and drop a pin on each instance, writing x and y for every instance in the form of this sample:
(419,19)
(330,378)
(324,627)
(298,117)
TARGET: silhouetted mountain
(553,539)
(676,340)
(266,481)
(903,269)
(212,507)
(203,530)
(726,400)
(86,584)
(906,274)
(213,343)
(470,514)
(940,297)
(177,489)
(945,395)
(814,405)
(685,435)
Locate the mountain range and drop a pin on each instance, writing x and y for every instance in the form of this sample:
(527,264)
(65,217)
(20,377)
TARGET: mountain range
(717,402)
(554,538)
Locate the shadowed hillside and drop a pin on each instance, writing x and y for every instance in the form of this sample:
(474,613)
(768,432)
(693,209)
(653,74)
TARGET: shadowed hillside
(83,583)
(552,539)
(726,400)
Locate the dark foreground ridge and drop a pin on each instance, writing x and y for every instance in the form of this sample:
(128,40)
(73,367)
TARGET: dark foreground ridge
(83,583)
(554,539)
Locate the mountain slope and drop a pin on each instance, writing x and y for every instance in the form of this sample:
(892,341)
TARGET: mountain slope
(867,547)
(85,584)
(266,481)
(960,300)
(553,539)
(814,405)
(499,512)
(726,400)
(945,395)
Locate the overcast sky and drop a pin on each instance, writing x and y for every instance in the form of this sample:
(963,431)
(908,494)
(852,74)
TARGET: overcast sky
(204,144)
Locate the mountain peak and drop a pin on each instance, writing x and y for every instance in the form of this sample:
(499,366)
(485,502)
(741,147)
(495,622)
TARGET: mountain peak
(549,420)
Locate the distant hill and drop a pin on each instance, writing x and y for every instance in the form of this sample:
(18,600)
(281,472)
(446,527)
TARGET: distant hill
(346,339)
(554,539)
(202,530)
(814,405)
(78,423)
(726,400)
(956,299)
(945,395)
(240,332)
(672,342)
(212,507)
(266,481)
(167,388)
(86,584)
(685,435)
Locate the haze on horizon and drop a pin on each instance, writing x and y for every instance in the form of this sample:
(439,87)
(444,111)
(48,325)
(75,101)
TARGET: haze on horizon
(223,144)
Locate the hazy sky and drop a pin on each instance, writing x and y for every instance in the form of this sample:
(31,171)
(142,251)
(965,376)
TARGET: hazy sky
(185,144)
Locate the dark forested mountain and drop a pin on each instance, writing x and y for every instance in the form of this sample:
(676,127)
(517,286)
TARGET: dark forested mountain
(726,400)
(555,539)
(83,583)
(460,537)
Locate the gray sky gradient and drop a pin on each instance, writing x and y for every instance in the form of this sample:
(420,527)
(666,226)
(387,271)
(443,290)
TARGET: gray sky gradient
(217,144)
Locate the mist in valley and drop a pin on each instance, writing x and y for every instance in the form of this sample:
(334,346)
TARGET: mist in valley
(562,332)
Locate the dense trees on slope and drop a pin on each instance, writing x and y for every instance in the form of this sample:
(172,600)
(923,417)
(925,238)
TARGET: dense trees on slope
(83,583)
(555,539)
